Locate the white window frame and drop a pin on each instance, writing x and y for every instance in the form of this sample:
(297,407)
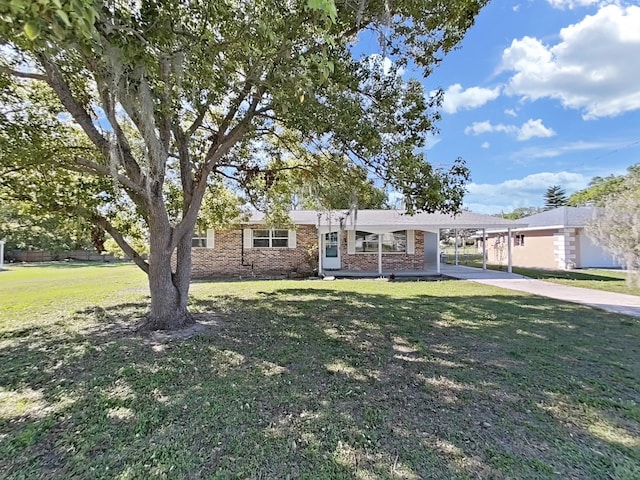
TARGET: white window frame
(378,243)
(270,239)
(206,239)
(362,241)
(395,241)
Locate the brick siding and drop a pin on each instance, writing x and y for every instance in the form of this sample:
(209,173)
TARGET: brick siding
(390,261)
(228,259)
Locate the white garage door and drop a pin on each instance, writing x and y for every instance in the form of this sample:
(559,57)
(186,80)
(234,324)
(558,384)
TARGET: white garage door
(593,256)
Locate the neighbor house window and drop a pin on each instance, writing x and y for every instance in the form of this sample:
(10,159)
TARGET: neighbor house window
(199,240)
(519,240)
(276,238)
(395,242)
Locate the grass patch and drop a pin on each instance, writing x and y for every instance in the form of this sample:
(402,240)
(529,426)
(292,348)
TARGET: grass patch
(310,379)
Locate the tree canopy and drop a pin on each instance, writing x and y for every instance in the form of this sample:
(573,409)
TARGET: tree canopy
(600,188)
(521,212)
(107,105)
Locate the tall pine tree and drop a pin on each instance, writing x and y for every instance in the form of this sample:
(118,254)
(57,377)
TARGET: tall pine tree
(555,197)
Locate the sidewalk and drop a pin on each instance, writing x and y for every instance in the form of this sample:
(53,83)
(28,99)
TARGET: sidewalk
(609,301)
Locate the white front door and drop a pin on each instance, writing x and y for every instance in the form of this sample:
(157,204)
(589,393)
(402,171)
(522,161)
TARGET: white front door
(331,251)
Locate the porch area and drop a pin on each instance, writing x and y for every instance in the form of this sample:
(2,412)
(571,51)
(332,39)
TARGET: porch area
(459,272)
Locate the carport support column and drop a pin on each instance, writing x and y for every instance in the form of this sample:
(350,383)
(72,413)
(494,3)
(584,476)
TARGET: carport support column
(438,252)
(509,260)
(484,248)
(380,254)
(320,266)
(456,246)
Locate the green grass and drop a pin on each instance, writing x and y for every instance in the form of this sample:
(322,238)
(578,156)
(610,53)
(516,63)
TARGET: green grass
(599,279)
(313,379)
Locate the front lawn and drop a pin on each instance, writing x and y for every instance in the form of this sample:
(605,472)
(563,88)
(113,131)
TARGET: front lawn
(354,379)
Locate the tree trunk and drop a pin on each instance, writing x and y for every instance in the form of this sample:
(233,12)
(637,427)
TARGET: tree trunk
(169,290)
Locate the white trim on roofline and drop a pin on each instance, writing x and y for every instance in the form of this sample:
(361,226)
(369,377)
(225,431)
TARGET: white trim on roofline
(525,229)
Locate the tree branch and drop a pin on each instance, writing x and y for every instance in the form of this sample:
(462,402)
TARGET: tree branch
(59,85)
(17,73)
(197,122)
(122,242)
(103,170)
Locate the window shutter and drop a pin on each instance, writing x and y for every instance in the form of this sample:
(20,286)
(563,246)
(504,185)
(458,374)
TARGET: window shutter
(292,239)
(210,238)
(411,242)
(351,242)
(248,238)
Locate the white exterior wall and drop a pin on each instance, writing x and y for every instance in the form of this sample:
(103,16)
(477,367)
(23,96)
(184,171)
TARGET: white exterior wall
(591,255)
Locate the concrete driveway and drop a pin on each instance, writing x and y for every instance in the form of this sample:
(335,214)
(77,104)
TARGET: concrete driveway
(609,301)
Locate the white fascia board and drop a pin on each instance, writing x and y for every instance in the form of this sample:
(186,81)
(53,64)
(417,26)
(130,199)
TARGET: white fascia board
(522,229)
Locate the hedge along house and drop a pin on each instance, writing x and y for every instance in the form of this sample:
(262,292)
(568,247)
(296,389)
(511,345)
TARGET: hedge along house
(554,239)
(354,243)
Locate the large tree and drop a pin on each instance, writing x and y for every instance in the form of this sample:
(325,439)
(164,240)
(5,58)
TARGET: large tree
(616,225)
(189,91)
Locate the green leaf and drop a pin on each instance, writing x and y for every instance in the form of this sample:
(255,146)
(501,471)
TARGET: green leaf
(326,6)
(62,15)
(31,30)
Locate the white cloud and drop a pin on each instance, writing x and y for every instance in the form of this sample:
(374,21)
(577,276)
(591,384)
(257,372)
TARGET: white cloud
(511,112)
(478,128)
(593,68)
(534,128)
(531,128)
(571,4)
(456,98)
(557,150)
(485,145)
(376,60)
(520,192)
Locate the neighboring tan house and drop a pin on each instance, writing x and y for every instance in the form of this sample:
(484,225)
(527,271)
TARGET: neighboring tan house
(554,239)
(367,241)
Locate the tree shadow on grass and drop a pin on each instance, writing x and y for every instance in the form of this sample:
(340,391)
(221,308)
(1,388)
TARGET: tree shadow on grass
(321,383)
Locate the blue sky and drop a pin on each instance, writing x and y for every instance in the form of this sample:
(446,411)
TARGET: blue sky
(542,92)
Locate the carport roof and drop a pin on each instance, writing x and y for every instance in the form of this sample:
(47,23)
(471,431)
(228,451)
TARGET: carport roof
(393,218)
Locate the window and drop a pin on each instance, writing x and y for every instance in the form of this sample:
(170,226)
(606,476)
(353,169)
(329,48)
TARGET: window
(519,240)
(366,242)
(395,242)
(277,238)
(199,240)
